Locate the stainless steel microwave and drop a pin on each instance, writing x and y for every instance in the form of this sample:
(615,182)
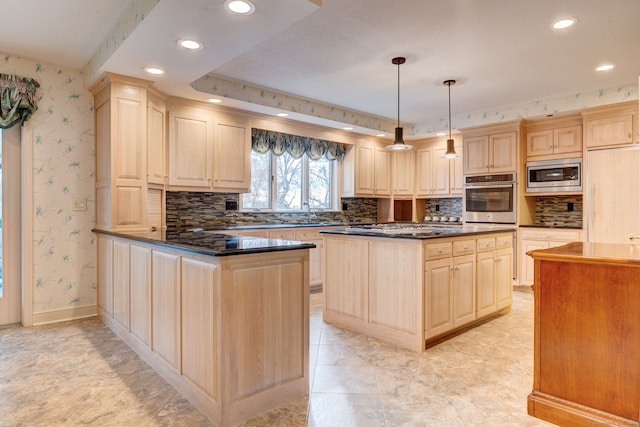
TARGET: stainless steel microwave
(554,175)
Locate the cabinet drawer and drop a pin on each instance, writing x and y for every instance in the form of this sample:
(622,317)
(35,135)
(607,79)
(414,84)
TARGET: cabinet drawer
(464,247)
(308,235)
(283,234)
(504,242)
(551,234)
(438,251)
(486,244)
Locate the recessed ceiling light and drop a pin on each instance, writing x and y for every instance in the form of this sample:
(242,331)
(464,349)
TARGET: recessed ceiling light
(190,44)
(440,134)
(348,128)
(282,114)
(380,135)
(605,67)
(154,70)
(215,100)
(564,23)
(240,7)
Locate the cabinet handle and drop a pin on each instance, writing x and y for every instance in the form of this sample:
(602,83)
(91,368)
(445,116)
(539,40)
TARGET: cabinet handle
(632,237)
(487,244)
(550,147)
(441,251)
(154,228)
(466,247)
(455,268)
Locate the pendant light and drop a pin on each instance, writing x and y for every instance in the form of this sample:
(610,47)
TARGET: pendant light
(398,143)
(451,151)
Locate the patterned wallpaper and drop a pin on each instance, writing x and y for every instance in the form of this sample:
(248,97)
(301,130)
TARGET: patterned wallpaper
(64,252)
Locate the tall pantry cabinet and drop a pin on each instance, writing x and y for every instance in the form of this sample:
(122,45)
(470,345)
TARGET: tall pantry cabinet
(128,199)
(612,184)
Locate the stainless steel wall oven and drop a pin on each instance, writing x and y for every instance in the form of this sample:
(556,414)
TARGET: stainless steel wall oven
(490,198)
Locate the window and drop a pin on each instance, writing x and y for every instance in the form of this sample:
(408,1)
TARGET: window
(285,183)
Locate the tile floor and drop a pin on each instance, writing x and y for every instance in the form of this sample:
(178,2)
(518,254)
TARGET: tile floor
(79,373)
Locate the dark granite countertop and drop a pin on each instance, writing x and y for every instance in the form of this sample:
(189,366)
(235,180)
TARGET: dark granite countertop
(208,243)
(550,226)
(434,232)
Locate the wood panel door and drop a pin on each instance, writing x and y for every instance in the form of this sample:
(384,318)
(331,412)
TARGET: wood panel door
(485,283)
(140,293)
(438,297)
(105,275)
(382,172)
(403,173)
(476,155)
(190,146)
(613,195)
(456,171)
(424,174)
(121,283)
(504,278)
(464,289)
(347,267)
(156,140)
(441,172)
(609,131)
(232,154)
(502,149)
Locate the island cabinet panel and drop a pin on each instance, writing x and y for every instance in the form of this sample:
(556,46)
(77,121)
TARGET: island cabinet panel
(105,276)
(504,278)
(347,278)
(393,306)
(200,300)
(265,316)
(140,293)
(464,290)
(121,283)
(166,307)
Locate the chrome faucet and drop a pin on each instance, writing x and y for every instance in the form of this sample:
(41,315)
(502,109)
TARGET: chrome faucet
(310,214)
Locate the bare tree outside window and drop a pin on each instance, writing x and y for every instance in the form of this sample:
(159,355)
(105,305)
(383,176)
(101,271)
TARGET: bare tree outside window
(289,179)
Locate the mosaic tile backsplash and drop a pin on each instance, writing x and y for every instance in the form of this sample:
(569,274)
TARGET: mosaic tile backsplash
(444,207)
(187,210)
(555,211)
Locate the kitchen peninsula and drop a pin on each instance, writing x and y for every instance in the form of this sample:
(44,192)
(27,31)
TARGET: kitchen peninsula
(224,319)
(587,335)
(412,285)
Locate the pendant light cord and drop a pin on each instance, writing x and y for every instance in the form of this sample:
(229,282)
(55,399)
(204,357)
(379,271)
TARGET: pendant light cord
(398,93)
(449,84)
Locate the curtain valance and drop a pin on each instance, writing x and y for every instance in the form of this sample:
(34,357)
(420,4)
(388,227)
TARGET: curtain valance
(17,100)
(277,142)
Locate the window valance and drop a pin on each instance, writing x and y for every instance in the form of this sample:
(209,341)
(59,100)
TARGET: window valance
(278,143)
(17,100)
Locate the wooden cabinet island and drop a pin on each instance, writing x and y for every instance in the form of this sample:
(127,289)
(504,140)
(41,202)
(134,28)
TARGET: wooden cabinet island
(587,335)
(224,319)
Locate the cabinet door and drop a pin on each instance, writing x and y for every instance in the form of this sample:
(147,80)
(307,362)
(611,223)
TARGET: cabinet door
(526,262)
(441,172)
(165,307)
(476,155)
(232,154)
(464,290)
(568,140)
(190,140)
(424,171)
(613,198)
(503,152)
(155,213)
(382,172)
(105,275)
(438,297)
(485,285)
(200,355)
(504,278)
(403,173)
(346,277)
(364,170)
(156,141)
(539,143)
(316,261)
(456,175)
(610,131)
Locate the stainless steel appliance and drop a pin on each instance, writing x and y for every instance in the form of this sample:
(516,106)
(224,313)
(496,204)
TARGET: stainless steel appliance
(490,198)
(554,175)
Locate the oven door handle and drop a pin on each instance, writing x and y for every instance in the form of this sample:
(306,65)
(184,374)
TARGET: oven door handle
(489,186)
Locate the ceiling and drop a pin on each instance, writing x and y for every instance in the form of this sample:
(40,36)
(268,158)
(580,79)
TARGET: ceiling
(329,61)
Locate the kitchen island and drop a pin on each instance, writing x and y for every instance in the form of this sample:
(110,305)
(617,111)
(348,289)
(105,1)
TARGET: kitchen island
(414,285)
(224,319)
(587,335)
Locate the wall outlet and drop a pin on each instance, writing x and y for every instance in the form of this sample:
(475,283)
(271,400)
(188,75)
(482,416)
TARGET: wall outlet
(569,206)
(79,205)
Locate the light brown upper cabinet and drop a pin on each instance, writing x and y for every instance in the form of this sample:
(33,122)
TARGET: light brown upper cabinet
(490,153)
(611,125)
(403,173)
(156,139)
(367,171)
(208,151)
(432,178)
(555,142)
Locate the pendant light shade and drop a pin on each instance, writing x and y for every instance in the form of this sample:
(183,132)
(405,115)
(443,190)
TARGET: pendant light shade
(451,151)
(398,143)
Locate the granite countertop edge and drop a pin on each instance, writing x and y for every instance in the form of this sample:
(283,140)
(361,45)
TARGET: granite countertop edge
(562,227)
(424,236)
(275,226)
(202,243)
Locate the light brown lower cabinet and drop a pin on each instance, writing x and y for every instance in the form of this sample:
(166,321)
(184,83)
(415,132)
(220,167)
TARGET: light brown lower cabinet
(230,333)
(408,291)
